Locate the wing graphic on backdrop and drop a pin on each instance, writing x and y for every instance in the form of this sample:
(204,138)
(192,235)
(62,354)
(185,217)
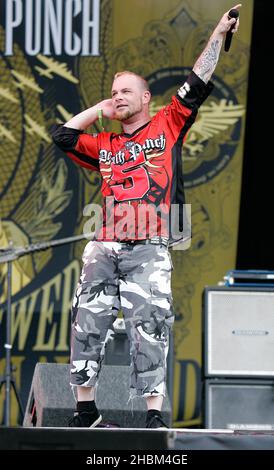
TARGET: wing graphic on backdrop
(54,67)
(212,120)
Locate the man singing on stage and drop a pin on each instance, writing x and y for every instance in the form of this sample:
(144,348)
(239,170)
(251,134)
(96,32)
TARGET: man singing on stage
(131,269)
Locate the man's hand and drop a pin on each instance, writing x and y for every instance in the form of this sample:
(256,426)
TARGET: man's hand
(225,22)
(107,108)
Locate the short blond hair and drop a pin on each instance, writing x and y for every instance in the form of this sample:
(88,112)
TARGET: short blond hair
(144,83)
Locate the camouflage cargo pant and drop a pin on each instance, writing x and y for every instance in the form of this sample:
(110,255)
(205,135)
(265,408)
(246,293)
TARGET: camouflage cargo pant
(136,278)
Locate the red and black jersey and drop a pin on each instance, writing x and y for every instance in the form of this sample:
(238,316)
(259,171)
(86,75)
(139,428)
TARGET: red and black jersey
(142,168)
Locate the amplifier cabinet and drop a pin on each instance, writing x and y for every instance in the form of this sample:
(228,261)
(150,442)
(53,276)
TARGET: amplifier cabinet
(238,332)
(239,404)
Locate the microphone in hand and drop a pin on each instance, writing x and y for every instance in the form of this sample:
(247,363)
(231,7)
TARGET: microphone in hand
(232,14)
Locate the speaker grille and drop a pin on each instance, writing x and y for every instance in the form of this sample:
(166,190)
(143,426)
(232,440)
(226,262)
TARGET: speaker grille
(239,333)
(239,405)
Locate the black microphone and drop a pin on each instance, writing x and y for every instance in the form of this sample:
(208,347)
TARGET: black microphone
(232,14)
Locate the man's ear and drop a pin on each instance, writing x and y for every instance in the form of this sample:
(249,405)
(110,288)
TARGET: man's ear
(146,97)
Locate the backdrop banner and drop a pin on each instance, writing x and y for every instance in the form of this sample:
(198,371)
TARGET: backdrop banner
(59,57)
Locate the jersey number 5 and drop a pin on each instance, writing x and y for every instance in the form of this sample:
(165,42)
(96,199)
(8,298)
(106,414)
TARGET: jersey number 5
(130,181)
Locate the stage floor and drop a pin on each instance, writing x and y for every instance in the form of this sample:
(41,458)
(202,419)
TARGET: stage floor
(23,438)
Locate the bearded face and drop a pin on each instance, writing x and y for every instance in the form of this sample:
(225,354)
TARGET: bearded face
(128,109)
(128,97)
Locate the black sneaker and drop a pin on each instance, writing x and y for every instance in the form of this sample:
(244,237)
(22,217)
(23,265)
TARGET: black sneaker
(85,420)
(156,421)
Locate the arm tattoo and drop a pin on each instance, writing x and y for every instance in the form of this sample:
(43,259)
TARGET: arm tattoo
(206,63)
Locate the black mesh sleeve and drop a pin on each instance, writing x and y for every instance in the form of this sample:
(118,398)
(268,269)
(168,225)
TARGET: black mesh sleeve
(194,91)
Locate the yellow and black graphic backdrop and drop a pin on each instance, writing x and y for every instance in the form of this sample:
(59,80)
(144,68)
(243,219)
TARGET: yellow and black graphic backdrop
(48,72)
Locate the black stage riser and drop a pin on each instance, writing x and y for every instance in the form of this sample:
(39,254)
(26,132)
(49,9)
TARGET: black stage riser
(130,439)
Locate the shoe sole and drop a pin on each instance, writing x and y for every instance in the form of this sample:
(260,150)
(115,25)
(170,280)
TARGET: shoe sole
(160,427)
(98,420)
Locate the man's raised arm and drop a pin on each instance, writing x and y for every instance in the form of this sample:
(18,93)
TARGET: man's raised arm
(206,63)
(86,118)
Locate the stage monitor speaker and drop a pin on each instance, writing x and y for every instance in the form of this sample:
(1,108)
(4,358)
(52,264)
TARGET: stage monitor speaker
(117,351)
(51,402)
(239,404)
(238,339)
